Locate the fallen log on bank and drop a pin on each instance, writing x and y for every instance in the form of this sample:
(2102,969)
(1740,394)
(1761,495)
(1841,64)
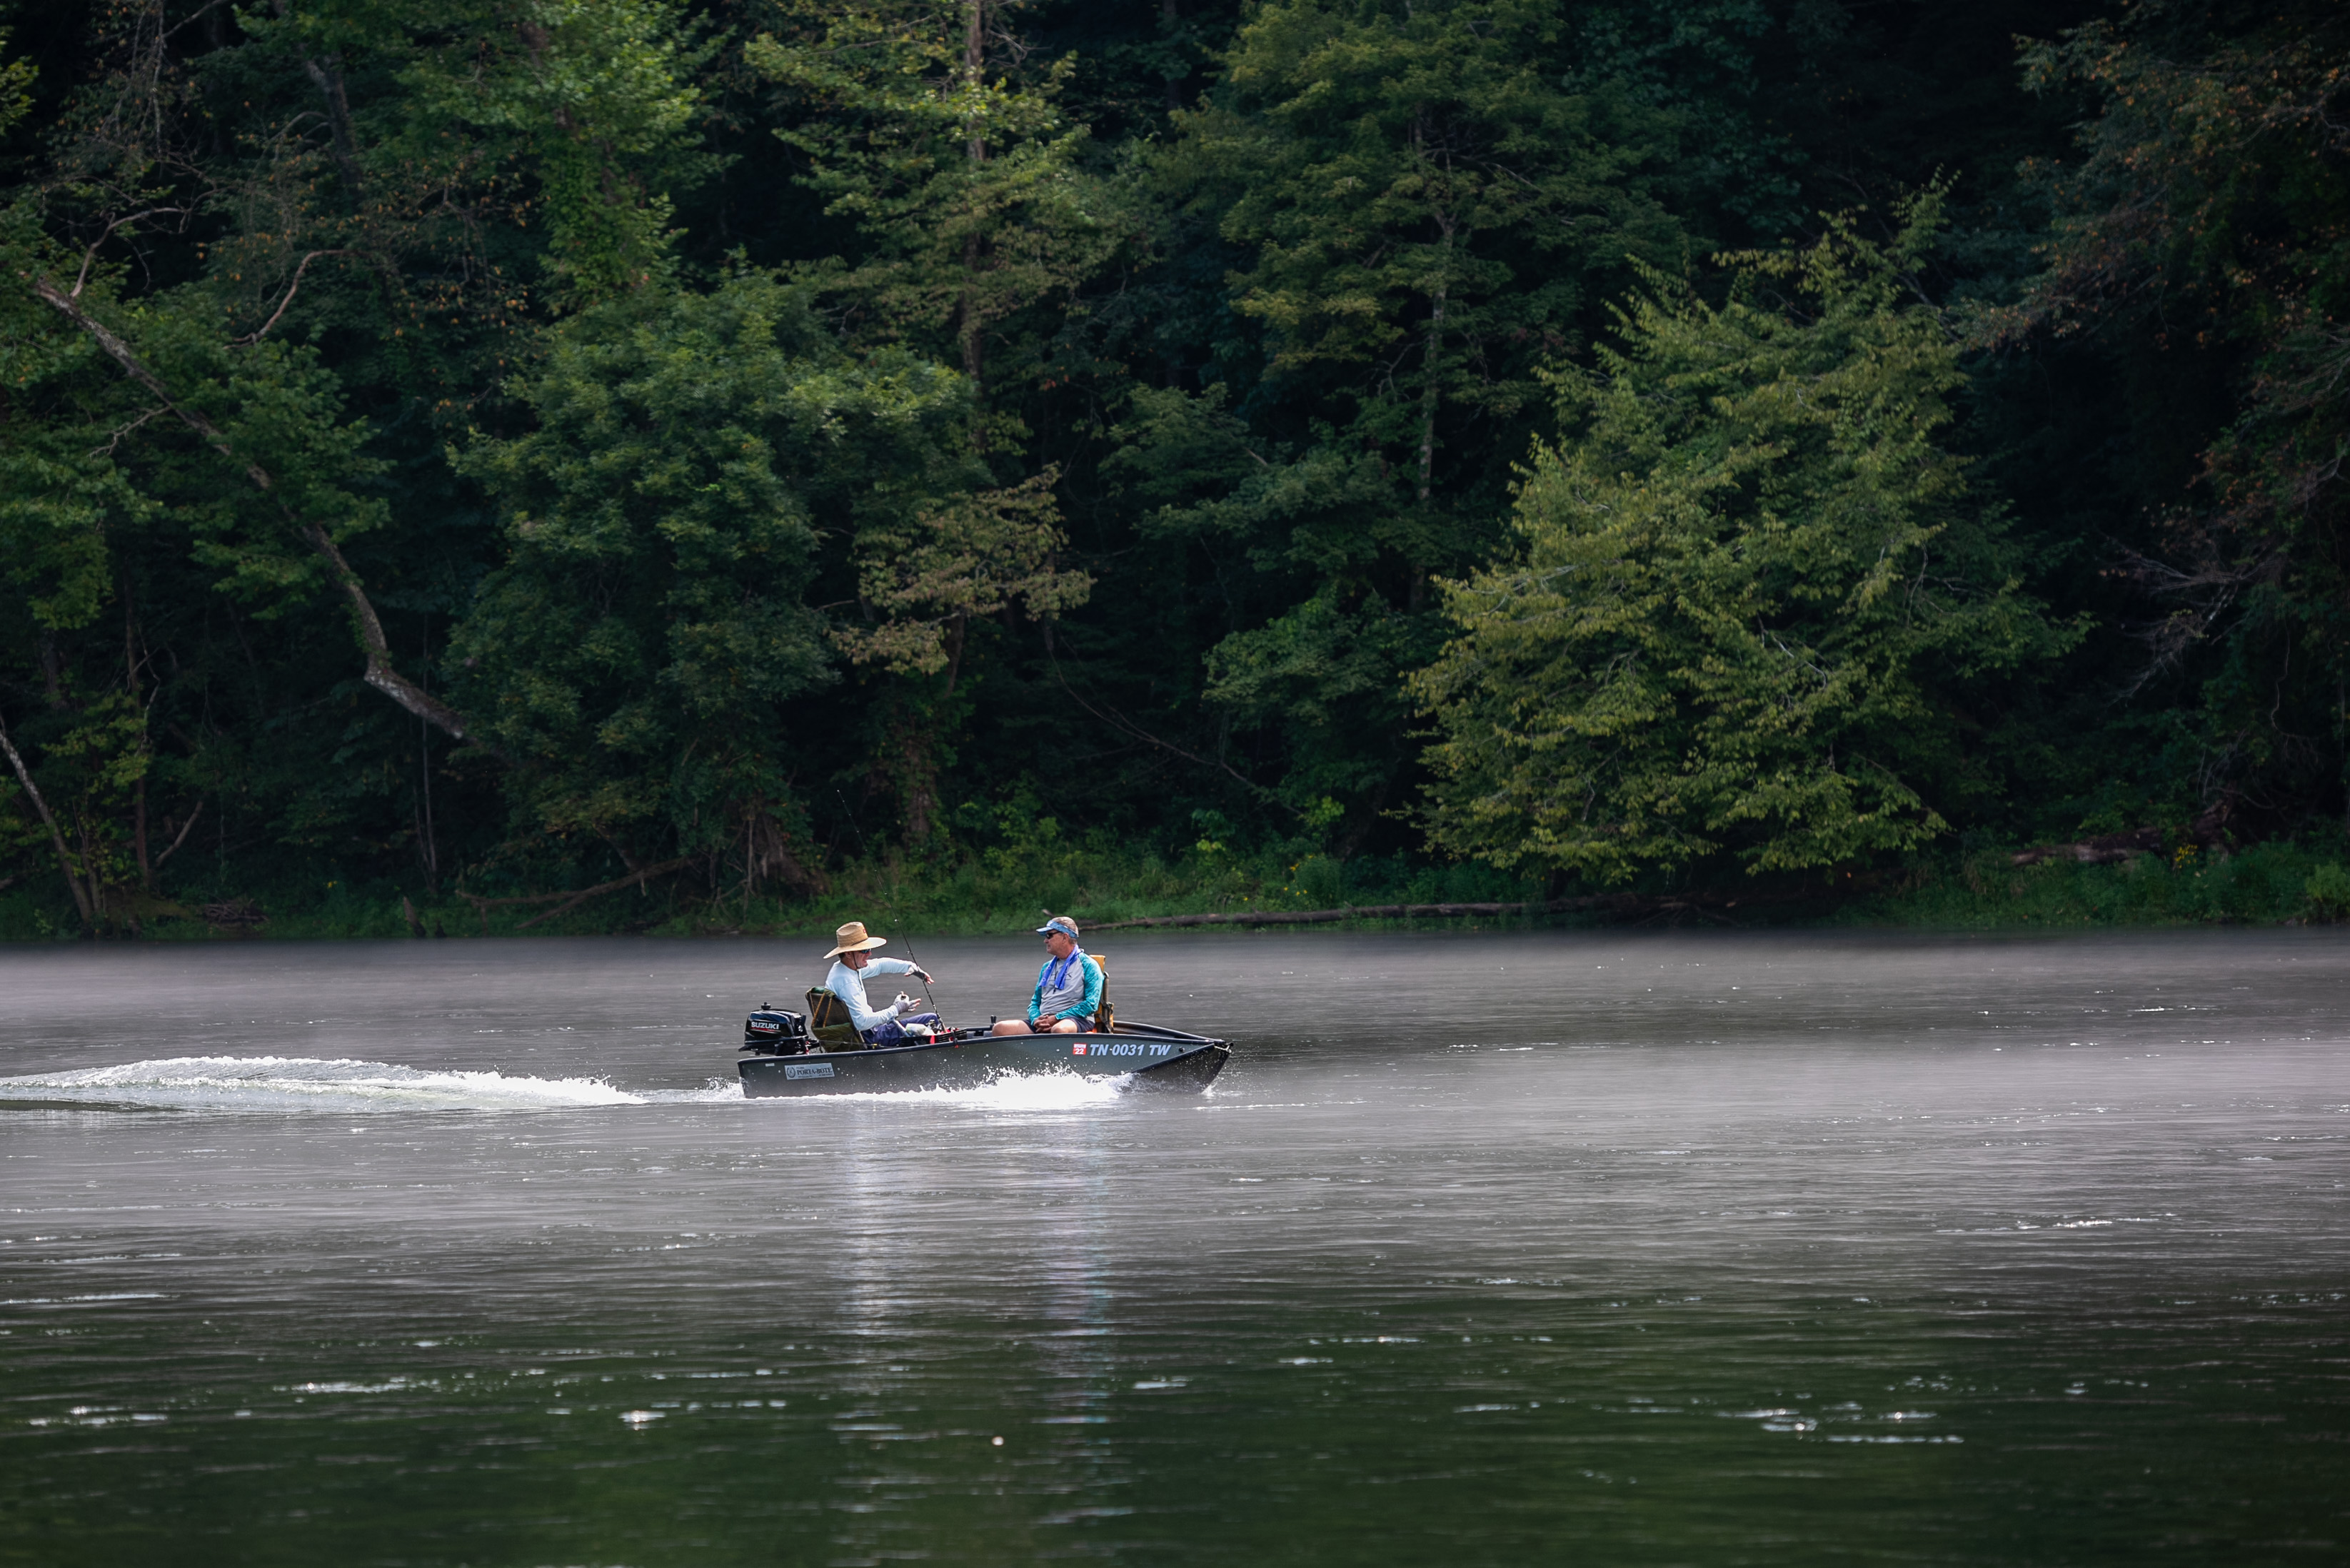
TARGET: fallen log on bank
(2109,850)
(565,902)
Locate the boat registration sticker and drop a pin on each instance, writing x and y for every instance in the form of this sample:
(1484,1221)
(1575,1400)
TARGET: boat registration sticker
(808,1069)
(1076,1050)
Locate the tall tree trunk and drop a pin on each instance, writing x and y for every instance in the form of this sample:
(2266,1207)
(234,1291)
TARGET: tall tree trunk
(954,649)
(1432,363)
(327,75)
(89,869)
(1416,589)
(430,844)
(138,789)
(974,62)
(1429,364)
(920,805)
(52,686)
(974,65)
(1431,355)
(1168,17)
(974,354)
(918,768)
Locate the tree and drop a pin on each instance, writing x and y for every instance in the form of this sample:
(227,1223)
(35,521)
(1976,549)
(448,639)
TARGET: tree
(923,126)
(977,555)
(257,267)
(1752,590)
(1422,207)
(599,98)
(1421,210)
(2199,242)
(642,654)
(964,181)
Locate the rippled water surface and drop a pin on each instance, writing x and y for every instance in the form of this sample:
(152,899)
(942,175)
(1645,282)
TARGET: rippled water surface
(1557,1247)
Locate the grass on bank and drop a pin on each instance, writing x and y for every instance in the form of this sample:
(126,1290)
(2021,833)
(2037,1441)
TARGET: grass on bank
(2269,883)
(995,891)
(1006,890)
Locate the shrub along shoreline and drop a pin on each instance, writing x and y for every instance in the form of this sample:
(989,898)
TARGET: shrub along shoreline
(1983,889)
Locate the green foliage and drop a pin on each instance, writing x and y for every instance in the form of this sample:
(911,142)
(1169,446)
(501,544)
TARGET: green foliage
(923,127)
(632,657)
(60,493)
(2328,891)
(1422,203)
(16,79)
(1422,209)
(1134,378)
(977,555)
(1317,673)
(594,95)
(1982,891)
(2202,225)
(964,180)
(1753,591)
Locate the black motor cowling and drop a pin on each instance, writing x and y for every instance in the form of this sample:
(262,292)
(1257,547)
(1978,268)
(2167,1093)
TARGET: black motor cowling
(773,1032)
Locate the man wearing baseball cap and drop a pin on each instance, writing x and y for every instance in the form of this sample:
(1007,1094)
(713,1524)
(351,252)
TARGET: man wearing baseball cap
(1068,998)
(852,955)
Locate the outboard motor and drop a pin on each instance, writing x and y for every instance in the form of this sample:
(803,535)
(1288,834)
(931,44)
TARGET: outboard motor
(773,1032)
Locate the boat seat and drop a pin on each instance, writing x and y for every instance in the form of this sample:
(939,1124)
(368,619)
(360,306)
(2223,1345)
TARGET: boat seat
(1105,1018)
(829,1023)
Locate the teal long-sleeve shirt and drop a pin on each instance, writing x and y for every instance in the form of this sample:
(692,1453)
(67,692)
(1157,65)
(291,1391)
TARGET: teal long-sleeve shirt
(1090,1006)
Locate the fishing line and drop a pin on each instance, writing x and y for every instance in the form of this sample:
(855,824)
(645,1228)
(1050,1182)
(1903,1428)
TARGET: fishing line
(912,956)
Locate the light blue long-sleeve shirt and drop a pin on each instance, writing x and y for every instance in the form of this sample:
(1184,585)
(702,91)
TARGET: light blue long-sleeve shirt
(849,984)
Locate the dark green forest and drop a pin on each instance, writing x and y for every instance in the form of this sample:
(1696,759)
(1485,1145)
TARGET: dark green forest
(696,464)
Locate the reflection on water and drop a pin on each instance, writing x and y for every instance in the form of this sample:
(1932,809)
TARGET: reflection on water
(1483,1250)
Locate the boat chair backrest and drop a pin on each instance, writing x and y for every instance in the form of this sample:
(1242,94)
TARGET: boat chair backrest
(1105,1020)
(830,1022)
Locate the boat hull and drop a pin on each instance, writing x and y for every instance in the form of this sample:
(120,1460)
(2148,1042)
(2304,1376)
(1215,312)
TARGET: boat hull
(1153,1058)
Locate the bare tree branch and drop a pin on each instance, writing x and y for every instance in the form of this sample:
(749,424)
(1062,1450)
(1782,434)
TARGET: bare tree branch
(82,897)
(380,673)
(90,256)
(291,289)
(182,837)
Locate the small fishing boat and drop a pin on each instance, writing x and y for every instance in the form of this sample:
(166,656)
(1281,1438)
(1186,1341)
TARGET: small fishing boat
(787,1056)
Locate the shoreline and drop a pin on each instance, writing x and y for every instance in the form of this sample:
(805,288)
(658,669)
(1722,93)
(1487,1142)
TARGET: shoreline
(2274,883)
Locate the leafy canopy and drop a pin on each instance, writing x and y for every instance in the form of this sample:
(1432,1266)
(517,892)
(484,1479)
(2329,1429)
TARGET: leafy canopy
(1753,588)
(633,653)
(965,179)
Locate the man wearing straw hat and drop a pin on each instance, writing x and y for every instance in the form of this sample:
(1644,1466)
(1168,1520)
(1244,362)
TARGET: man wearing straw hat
(852,955)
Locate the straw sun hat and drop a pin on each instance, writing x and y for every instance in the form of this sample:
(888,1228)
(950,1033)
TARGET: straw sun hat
(853,940)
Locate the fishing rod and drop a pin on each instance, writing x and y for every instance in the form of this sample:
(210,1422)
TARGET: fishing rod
(892,905)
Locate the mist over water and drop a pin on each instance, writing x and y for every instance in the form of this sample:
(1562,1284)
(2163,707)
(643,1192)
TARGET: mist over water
(1484,1249)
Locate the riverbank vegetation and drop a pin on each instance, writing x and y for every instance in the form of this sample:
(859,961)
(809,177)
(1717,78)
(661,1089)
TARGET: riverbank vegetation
(2277,882)
(705,466)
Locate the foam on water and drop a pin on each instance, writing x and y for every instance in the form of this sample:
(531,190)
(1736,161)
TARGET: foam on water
(309,1083)
(338,1087)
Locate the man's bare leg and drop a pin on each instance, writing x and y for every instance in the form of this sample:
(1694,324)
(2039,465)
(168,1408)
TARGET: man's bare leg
(1012,1026)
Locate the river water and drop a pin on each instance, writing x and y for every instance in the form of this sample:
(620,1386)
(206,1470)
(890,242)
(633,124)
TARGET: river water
(1546,1247)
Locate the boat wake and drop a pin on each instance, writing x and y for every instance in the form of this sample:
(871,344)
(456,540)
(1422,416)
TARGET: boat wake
(288,1083)
(341,1086)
